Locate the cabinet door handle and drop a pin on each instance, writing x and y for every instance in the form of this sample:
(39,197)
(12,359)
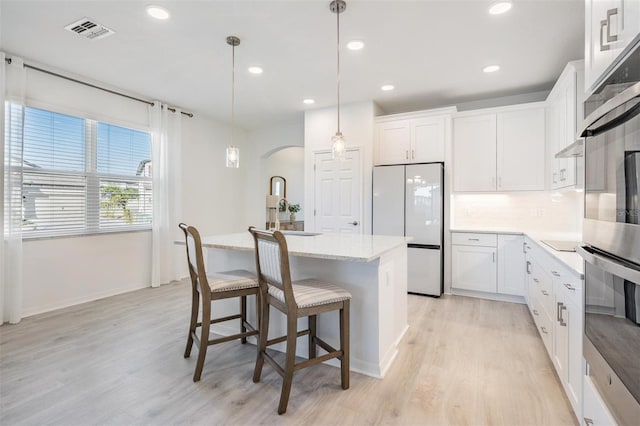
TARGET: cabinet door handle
(569,286)
(603,47)
(536,280)
(528,267)
(473,239)
(524,247)
(588,421)
(545,292)
(544,330)
(494,257)
(555,273)
(535,312)
(354,223)
(607,23)
(406,154)
(558,304)
(610,13)
(560,317)
(413,154)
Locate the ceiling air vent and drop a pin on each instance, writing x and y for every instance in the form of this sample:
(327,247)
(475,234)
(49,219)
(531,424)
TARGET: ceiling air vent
(89,29)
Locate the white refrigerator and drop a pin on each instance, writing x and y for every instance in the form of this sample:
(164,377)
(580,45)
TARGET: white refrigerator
(407,200)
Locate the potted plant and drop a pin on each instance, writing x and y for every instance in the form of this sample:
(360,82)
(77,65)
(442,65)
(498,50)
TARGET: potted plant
(293,209)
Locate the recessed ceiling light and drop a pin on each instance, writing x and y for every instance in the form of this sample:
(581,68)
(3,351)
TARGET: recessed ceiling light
(500,7)
(309,101)
(491,68)
(387,87)
(158,12)
(255,70)
(355,45)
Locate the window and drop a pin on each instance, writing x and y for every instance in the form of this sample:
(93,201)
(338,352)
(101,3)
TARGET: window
(82,176)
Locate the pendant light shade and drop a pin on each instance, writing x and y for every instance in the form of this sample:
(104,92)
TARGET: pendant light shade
(338,145)
(233,153)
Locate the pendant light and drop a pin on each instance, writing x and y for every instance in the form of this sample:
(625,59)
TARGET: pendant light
(338,147)
(233,153)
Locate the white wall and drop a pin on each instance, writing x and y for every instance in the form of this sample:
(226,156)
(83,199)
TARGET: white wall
(288,163)
(260,145)
(59,272)
(357,126)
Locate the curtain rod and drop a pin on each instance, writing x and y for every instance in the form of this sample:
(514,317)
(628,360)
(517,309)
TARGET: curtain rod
(144,101)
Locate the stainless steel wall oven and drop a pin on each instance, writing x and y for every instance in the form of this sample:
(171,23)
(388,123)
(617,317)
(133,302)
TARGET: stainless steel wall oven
(612,238)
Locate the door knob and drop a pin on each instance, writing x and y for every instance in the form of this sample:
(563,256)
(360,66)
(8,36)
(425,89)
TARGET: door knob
(354,223)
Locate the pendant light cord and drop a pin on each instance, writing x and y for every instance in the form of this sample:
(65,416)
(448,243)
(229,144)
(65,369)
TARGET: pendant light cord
(338,61)
(233,88)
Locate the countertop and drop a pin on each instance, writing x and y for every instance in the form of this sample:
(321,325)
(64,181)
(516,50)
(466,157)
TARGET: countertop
(570,259)
(347,247)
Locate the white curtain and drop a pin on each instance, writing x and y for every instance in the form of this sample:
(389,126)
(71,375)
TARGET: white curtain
(12,90)
(166,127)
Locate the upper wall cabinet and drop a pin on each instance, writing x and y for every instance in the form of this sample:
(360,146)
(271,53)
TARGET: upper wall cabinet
(564,114)
(500,151)
(611,27)
(412,138)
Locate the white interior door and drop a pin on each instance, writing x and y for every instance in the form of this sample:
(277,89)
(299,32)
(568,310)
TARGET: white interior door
(338,193)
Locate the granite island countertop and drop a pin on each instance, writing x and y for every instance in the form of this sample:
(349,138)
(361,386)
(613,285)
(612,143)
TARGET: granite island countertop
(347,247)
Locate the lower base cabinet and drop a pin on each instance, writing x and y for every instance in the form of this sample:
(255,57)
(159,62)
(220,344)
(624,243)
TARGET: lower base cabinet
(595,411)
(554,297)
(488,263)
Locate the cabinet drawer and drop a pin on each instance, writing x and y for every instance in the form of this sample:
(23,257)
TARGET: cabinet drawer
(542,285)
(474,239)
(545,328)
(568,285)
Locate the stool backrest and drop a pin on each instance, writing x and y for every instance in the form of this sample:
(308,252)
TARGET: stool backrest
(195,260)
(272,263)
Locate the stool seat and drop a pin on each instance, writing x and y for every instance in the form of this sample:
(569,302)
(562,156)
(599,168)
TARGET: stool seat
(231,280)
(312,292)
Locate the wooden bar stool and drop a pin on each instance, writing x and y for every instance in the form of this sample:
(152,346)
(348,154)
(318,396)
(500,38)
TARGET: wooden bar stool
(306,298)
(216,286)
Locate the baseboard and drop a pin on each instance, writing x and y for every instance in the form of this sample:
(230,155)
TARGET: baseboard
(79,300)
(489,296)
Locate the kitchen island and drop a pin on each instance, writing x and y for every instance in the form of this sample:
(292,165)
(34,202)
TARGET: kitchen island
(372,268)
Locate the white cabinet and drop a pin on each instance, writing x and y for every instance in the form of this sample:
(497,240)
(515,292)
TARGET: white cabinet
(595,412)
(564,113)
(474,153)
(499,151)
(474,261)
(393,142)
(554,297)
(511,258)
(520,149)
(611,28)
(412,138)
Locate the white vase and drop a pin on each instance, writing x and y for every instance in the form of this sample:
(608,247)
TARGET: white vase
(292,217)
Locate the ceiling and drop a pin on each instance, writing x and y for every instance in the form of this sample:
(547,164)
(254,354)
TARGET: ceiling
(433,52)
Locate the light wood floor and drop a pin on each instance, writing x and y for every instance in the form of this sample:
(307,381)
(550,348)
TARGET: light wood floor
(119,361)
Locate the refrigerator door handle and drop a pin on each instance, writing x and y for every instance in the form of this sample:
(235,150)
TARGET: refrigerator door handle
(424,246)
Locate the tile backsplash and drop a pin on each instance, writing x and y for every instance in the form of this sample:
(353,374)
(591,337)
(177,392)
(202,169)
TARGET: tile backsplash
(534,211)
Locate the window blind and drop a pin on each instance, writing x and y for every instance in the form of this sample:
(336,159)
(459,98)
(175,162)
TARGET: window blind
(81,176)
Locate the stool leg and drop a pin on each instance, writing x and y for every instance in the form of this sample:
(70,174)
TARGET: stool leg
(312,335)
(344,344)
(243,317)
(195,305)
(292,336)
(263,334)
(204,340)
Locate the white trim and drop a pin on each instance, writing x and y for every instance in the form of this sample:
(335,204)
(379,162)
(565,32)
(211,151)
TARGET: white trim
(488,296)
(417,114)
(494,110)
